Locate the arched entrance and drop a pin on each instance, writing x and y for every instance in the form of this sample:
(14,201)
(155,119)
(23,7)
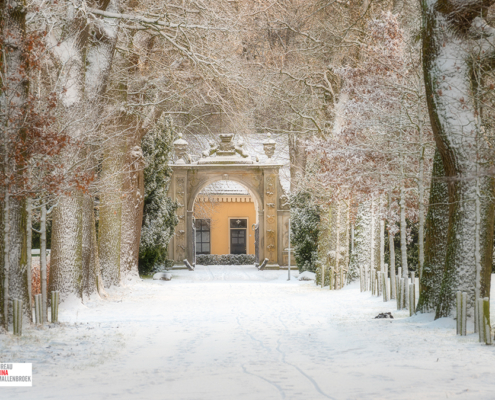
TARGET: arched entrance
(226,161)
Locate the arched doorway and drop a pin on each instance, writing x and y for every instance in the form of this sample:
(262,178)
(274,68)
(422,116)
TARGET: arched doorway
(227,161)
(225,218)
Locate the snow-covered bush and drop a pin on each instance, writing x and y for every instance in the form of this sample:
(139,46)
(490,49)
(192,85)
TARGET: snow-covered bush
(305,219)
(224,259)
(159,219)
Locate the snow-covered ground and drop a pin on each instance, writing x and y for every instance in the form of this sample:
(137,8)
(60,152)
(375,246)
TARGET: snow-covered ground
(233,332)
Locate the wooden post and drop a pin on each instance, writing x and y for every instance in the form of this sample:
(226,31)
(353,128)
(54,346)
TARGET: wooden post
(322,274)
(399,294)
(412,299)
(14,314)
(486,320)
(399,274)
(459,313)
(372,283)
(36,307)
(55,299)
(19,317)
(476,318)
(464,314)
(17,314)
(385,286)
(480,320)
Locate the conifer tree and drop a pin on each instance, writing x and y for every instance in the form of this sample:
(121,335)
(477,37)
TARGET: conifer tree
(159,219)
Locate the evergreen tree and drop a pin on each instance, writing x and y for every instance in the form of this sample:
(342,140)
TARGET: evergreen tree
(305,220)
(159,219)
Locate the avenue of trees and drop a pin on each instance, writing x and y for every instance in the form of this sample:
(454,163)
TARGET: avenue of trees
(386,107)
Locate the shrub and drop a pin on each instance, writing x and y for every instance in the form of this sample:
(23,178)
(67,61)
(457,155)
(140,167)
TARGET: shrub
(305,220)
(224,259)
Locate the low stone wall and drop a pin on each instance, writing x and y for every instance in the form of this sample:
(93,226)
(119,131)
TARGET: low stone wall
(224,259)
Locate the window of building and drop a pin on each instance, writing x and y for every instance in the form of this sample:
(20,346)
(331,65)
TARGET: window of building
(238,236)
(202,236)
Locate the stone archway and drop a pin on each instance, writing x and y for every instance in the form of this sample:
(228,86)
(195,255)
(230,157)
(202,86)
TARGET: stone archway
(226,161)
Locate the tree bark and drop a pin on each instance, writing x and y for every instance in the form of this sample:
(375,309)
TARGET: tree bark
(66,255)
(110,223)
(437,220)
(43,266)
(91,272)
(298,158)
(391,248)
(13,97)
(448,61)
(29,242)
(132,212)
(403,240)
(87,77)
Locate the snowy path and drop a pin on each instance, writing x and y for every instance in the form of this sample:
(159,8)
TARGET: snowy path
(236,333)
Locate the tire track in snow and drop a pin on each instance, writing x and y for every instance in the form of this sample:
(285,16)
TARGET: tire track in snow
(281,391)
(309,378)
(279,388)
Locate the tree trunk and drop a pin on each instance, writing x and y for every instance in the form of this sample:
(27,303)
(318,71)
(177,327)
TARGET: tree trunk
(448,61)
(132,213)
(403,240)
(18,287)
(87,77)
(372,236)
(13,97)
(347,238)
(6,258)
(437,227)
(391,248)
(66,254)
(298,158)
(109,228)
(90,261)
(43,266)
(421,227)
(337,248)
(29,263)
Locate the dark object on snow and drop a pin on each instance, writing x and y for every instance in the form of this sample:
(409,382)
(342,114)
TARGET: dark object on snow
(384,315)
(162,276)
(189,266)
(263,264)
(257,265)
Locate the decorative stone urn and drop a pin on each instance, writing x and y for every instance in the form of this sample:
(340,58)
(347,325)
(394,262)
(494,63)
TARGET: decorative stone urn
(180,149)
(269,147)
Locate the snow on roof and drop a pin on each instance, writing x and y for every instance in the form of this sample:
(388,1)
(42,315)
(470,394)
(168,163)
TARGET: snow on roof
(253,144)
(224,187)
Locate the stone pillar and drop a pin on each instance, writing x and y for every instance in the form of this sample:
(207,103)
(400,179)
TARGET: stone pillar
(189,237)
(180,244)
(261,229)
(270,206)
